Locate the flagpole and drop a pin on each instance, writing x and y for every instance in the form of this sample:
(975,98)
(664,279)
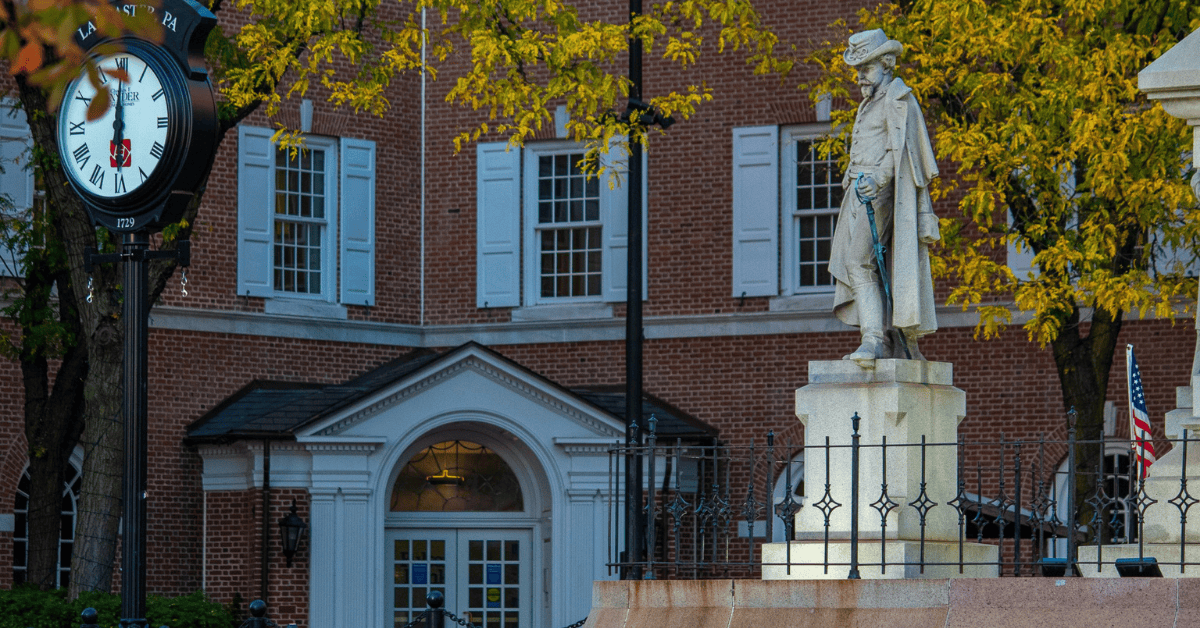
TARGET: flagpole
(1137,454)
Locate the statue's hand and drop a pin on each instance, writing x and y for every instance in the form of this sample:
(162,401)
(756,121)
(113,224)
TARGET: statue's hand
(866,186)
(927,228)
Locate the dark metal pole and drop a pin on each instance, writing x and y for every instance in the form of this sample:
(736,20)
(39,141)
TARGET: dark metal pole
(266,520)
(436,611)
(1071,510)
(635,526)
(133,539)
(854,445)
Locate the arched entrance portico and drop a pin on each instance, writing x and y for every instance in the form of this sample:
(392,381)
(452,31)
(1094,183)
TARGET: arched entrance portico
(466,507)
(530,565)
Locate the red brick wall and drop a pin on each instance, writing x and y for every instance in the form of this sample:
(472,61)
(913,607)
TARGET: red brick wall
(233,568)
(742,385)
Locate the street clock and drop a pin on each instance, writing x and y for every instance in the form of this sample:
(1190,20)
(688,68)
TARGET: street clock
(137,167)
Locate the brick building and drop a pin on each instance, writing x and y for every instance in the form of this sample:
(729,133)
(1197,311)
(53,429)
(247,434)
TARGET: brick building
(398,309)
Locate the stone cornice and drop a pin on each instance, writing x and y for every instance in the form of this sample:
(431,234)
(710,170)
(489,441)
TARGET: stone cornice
(474,363)
(510,333)
(345,445)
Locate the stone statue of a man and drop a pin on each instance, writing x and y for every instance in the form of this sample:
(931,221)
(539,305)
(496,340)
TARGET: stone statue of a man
(1196,352)
(891,166)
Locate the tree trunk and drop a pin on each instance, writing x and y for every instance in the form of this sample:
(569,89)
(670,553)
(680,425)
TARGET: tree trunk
(100,333)
(99,510)
(53,419)
(1084,364)
(98,337)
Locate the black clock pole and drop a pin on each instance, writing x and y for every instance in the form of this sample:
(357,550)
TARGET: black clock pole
(136,255)
(133,538)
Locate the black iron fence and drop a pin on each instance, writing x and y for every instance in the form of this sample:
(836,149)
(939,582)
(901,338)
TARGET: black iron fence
(1006,507)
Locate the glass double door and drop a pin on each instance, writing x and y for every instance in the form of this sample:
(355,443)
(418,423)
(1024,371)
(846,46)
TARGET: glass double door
(483,574)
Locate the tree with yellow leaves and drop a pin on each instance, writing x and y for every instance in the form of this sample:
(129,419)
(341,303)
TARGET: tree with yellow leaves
(522,59)
(1059,156)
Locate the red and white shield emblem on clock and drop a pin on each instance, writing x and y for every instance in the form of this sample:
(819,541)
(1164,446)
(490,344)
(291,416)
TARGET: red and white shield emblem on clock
(119,156)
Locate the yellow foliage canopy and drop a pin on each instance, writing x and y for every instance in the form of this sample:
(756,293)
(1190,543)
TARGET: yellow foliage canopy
(1035,103)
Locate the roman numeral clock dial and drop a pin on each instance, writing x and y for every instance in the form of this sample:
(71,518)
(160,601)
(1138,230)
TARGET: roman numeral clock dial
(137,166)
(114,155)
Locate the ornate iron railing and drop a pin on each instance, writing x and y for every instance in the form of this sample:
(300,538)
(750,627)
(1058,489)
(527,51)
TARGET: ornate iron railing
(710,509)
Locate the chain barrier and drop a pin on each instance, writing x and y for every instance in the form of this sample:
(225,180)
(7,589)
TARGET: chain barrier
(461,622)
(466,624)
(418,619)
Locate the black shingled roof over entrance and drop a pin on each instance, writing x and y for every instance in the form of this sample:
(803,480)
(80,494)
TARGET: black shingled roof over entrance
(276,410)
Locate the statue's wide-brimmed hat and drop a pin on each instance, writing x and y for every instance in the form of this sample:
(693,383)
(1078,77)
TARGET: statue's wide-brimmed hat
(869,45)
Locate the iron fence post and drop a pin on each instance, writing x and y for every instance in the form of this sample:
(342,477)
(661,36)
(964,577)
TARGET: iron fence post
(651,515)
(1017,513)
(437,610)
(854,444)
(1071,510)
(90,618)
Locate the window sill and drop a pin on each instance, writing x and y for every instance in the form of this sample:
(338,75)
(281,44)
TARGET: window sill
(813,302)
(563,311)
(284,306)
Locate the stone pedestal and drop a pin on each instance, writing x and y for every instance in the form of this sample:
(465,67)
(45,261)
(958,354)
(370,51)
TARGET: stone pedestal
(1162,482)
(902,401)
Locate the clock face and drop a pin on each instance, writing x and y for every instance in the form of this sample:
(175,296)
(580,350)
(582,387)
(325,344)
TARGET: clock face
(114,155)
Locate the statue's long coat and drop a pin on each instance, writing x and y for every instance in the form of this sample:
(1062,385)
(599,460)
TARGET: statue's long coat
(908,258)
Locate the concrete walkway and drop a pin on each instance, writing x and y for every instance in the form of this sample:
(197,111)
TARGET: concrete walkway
(965,603)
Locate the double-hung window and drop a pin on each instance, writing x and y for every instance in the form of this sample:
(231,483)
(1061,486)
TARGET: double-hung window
(547,232)
(306,222)
(567,231)
(786,199)
(17,183)
(811,195)
(301,230)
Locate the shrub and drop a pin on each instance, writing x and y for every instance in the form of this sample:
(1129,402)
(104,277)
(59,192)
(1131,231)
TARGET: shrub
(27,607)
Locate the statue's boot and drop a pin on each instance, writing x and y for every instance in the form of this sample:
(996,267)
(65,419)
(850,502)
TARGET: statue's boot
(910,339)
(869,302)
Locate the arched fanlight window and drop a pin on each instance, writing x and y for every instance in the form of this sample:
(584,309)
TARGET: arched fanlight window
(66,534)
(1117,520)
(457,476)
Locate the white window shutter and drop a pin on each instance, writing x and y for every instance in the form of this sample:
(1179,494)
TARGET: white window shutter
(256,182)
(756,211)
(498,225)
(16,180)
(1020,258)
(614,212)
(357,221)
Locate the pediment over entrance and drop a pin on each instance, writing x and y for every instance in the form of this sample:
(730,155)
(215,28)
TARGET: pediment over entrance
(285,411)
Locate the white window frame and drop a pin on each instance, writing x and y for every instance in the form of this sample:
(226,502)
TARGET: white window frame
(507,252)
(531,245)
(347,241)
(17,181)
(329,252)
(789,216)
(70,490)
(1114,449)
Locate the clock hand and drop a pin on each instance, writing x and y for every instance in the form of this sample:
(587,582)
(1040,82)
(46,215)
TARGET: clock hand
(118,148)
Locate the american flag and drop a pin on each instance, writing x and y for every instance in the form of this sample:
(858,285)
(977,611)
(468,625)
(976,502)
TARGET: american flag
(1139,418)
